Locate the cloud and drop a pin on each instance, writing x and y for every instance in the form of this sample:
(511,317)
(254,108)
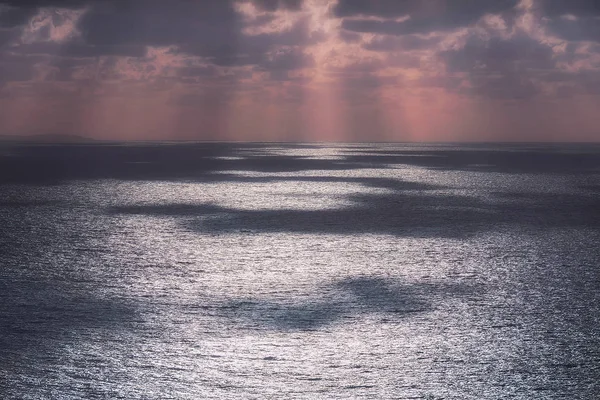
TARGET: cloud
(15,69)
(420,16)
(578,8)
(208,71)
(582,28)
(574,20)
(285,59)
(203,25)
(500,68)
(402,43)
(210,30)
(8,35)
(78,49)
(15,13)
(274,5)
(497,55)
(342,64)
(57,25)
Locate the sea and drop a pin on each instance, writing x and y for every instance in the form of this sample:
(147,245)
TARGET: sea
(299,271)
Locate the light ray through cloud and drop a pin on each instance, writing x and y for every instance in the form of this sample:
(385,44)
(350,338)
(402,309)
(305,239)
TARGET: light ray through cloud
(317,70)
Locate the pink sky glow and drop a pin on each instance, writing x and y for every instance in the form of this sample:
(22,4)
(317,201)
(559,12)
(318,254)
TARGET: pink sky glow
(314,70)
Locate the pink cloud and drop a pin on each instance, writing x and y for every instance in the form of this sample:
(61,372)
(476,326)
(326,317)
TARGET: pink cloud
(302,70)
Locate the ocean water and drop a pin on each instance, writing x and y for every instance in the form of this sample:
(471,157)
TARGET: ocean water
(272,271)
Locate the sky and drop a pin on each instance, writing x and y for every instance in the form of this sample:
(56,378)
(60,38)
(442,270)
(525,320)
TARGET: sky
(302,70)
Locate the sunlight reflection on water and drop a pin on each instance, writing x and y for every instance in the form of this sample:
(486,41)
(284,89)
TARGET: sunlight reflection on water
(386,281)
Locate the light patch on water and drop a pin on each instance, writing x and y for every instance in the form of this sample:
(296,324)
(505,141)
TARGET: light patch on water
(373,282)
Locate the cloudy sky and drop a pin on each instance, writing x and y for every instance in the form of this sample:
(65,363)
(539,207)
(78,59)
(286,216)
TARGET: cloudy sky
(355,70)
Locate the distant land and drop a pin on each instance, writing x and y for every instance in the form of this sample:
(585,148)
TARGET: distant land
(63,138)
(46,138)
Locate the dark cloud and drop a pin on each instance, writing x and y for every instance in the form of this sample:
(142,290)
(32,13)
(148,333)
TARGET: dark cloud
(497,55)
(425,15)
(584,26)
(500,68)
(286,60)
(214,31)
(576,51)
(349,37)
(211,29)
(555,8)
(584,81)
(405,43)
(64,67)
(589,82)
(277,50)
(260,20)
(509,86)
(14,17)
(77,49)
(198,71)
(15,69)
(384,9)
(12,72)
(274,5)
(8,35)
(15,13)
(46,3)
(208,24)
(420,8)
(580,82)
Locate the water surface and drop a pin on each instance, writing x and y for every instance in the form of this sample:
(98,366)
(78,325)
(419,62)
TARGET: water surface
(187,271)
